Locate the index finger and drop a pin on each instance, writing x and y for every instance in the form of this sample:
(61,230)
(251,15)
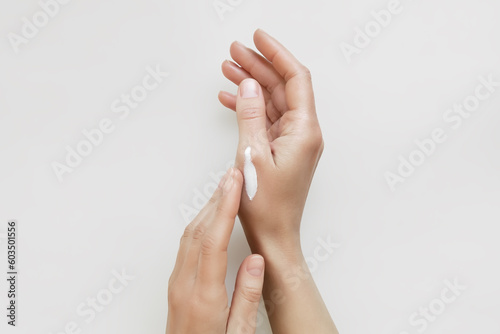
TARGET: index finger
(299,92)
(212,263)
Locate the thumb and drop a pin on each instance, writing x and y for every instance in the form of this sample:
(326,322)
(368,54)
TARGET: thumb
(246,297)
(251,114)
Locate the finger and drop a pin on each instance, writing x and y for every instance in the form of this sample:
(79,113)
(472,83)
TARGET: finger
(258,67)
(186,239)
(193,235)
(233,72)
(213,253)
(246,297)
(299,92)
(252,118)
(228,100)
(236,74)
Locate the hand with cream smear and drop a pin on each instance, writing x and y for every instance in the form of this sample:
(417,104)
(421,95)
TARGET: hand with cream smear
(280,144)
(197,297)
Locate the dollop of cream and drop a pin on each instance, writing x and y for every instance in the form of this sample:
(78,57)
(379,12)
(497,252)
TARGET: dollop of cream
(250,174)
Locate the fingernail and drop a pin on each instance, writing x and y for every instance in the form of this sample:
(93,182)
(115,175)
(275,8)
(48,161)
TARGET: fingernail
(228,184)
(255,266)
(249,89)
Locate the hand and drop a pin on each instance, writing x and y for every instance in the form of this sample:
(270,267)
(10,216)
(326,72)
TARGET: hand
(278,121)
(197,298)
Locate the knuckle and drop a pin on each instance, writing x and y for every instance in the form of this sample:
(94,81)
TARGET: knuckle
(191,308)
(213,199)
(315,140)
(251,112)
(175,298)
(212,295)
(304,71)
(208,245)
(199,232)
(251,294)
(188,232)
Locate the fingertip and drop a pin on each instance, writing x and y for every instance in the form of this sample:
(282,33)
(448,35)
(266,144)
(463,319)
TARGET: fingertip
(227,64)
(238,176)
(226,67)
(231,194)
(234,46)
(237,43)
(225,95)
(260,36)
(249,88)
(227,99)
(255,265)
(231,181)
(221,95)
(223,64)
(256,33)
(259,32)
(247,295)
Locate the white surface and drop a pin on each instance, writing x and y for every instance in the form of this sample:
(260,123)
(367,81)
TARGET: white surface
(121,208)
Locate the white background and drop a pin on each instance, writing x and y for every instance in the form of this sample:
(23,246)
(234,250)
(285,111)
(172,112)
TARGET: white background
(120,209)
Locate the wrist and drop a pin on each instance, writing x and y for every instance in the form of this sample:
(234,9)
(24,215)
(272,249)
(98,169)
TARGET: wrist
(278,252)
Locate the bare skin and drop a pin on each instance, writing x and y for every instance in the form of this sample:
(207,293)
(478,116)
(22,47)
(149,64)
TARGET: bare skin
(197,298)
(277,118)
(279,122)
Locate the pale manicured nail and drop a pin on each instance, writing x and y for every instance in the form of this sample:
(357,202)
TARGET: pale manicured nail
(249,89)
(255,266)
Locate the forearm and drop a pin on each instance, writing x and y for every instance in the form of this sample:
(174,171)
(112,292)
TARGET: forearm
(292,299)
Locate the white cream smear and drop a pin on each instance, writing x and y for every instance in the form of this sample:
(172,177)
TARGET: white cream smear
(250,174)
